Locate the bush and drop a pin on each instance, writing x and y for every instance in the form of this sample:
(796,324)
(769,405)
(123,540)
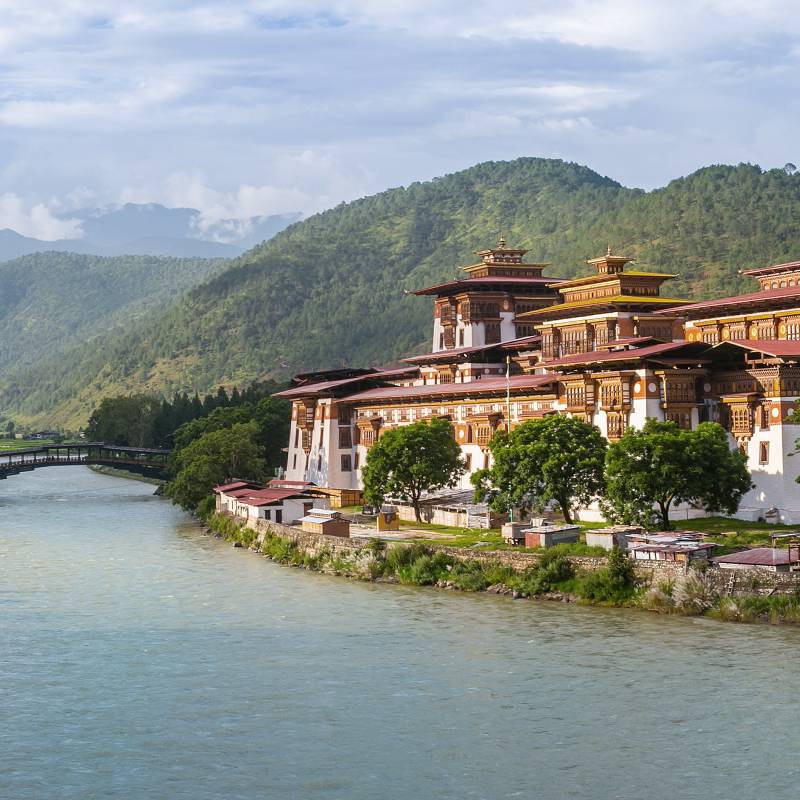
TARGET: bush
(425,570)
(694,593)
(553,569)
(206,508)
(614,584)
(659,597)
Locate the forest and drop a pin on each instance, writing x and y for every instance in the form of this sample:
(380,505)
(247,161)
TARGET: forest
(329,291)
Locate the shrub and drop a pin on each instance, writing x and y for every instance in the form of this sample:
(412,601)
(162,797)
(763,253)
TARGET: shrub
(694,593)
(659,597)
(553,569)
(206,508)
(425,570)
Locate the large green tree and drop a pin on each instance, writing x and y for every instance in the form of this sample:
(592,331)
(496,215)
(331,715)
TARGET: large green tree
(214,458)
(411,460)
(662,465)
(556,458)
(125,420)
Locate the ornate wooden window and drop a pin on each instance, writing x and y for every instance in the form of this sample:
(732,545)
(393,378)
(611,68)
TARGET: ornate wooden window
(765,330)
(681,417)
(492,332)
(345,438)
(763,453)
(346,462)
(615,424)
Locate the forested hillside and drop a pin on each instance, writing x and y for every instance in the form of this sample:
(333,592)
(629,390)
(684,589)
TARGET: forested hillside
(51,302)
(329,291)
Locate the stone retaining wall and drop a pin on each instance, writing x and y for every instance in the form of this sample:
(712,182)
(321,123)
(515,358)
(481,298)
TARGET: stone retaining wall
(726,582)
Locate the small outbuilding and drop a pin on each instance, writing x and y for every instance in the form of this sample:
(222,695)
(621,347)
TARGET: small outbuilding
(680,546)
(614,536)
(772,559)
(326,521)
(551,535)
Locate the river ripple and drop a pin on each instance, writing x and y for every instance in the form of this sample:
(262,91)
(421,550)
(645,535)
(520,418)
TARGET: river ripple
(141,659)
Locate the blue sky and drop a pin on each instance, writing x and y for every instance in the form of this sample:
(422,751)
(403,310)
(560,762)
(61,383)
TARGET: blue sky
(242,108)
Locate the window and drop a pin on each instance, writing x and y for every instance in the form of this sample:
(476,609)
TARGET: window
(319,463)
(763,453)
(296,437)
(461,337)
(345,439)
(294,461)
(355,460)
(468,461)
(346,462)
(279,516)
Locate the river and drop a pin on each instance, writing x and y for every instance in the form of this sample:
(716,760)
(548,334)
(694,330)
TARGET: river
(142,659)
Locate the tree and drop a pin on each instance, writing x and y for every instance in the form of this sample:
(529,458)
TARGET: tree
(662,464)
(125,420)
(555,458)
(214,458)
(411,460)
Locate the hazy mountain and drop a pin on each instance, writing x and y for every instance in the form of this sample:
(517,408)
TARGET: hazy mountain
(329,291)
(151,229)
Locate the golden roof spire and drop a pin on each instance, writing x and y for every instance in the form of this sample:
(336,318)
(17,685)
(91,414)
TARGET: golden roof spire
(502,243)
(608,251)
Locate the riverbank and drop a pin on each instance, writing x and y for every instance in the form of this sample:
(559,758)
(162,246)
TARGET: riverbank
(614,581)
(113,472)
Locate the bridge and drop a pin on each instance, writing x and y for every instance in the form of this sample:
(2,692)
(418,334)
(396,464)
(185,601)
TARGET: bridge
(141,460)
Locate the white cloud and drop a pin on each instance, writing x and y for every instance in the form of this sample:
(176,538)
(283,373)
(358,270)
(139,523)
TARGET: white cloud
(250,107)
(35,220)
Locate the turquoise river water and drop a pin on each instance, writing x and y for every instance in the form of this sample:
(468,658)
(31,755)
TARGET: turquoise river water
(142,659)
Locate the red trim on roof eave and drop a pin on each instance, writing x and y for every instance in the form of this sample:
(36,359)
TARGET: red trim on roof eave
(596,357)
(773,347)
(483,386)
(740,299)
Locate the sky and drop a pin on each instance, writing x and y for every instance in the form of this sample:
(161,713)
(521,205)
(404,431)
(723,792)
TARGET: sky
(250,107)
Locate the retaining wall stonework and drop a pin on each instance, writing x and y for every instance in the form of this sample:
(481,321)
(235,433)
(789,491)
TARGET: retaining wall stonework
(726,582)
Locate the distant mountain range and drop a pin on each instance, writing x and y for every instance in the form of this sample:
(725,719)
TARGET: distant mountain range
(151,229)
(329,291)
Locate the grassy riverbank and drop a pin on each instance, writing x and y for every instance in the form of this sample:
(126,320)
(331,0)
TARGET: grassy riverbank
(554,577)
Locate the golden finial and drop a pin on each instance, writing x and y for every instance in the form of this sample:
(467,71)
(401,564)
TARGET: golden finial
(502,242)
(608,251)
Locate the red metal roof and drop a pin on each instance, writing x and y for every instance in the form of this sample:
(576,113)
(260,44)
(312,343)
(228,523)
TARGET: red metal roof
(633,353)
(442,390)
(468,284)
(326,386)
(228,487)
(772,347)
(761,557)
(787,293)
(267,497)
(444,355)
(788,267)
(522,342)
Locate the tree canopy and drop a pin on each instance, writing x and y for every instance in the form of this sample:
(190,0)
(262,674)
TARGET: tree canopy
(556,458)
(662,465)
(411,460)
(214,458)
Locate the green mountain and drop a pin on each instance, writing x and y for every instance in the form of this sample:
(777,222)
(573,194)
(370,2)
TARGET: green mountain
(51,303)
(329,291)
